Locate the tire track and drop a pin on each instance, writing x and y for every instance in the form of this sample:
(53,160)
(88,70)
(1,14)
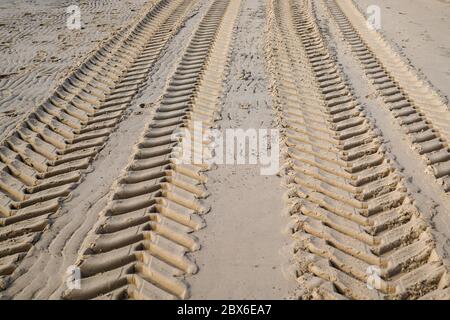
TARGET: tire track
(33,66)
(420,111)
(138,249)
(351,213)
(40,274)
(43,160)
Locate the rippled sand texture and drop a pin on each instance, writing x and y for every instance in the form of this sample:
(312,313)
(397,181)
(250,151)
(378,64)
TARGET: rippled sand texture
(37,49)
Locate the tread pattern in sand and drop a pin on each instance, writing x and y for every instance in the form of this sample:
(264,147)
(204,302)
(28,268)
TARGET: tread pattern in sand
(351,213)
(139,245)
(38,51)
(43,160)
(420,111)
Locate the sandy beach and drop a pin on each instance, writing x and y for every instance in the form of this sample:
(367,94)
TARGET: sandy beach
(224,149)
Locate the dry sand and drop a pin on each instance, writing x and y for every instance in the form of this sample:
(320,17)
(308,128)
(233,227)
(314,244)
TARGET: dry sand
(419,29)
(432,200)
(240,257)
(38,50)
(244,252)
(58,249)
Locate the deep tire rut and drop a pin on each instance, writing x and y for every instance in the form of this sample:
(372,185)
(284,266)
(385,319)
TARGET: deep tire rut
(356,231)
(359,229)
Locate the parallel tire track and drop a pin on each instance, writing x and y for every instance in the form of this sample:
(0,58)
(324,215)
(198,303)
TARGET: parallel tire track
(43,160)
(351,214)
(22,70)
(422,114)
(138,249)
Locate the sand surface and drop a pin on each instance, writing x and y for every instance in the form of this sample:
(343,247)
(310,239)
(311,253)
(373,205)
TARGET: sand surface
(58,249)
(241,258)
(92,179)
(38,50)
(431,200)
